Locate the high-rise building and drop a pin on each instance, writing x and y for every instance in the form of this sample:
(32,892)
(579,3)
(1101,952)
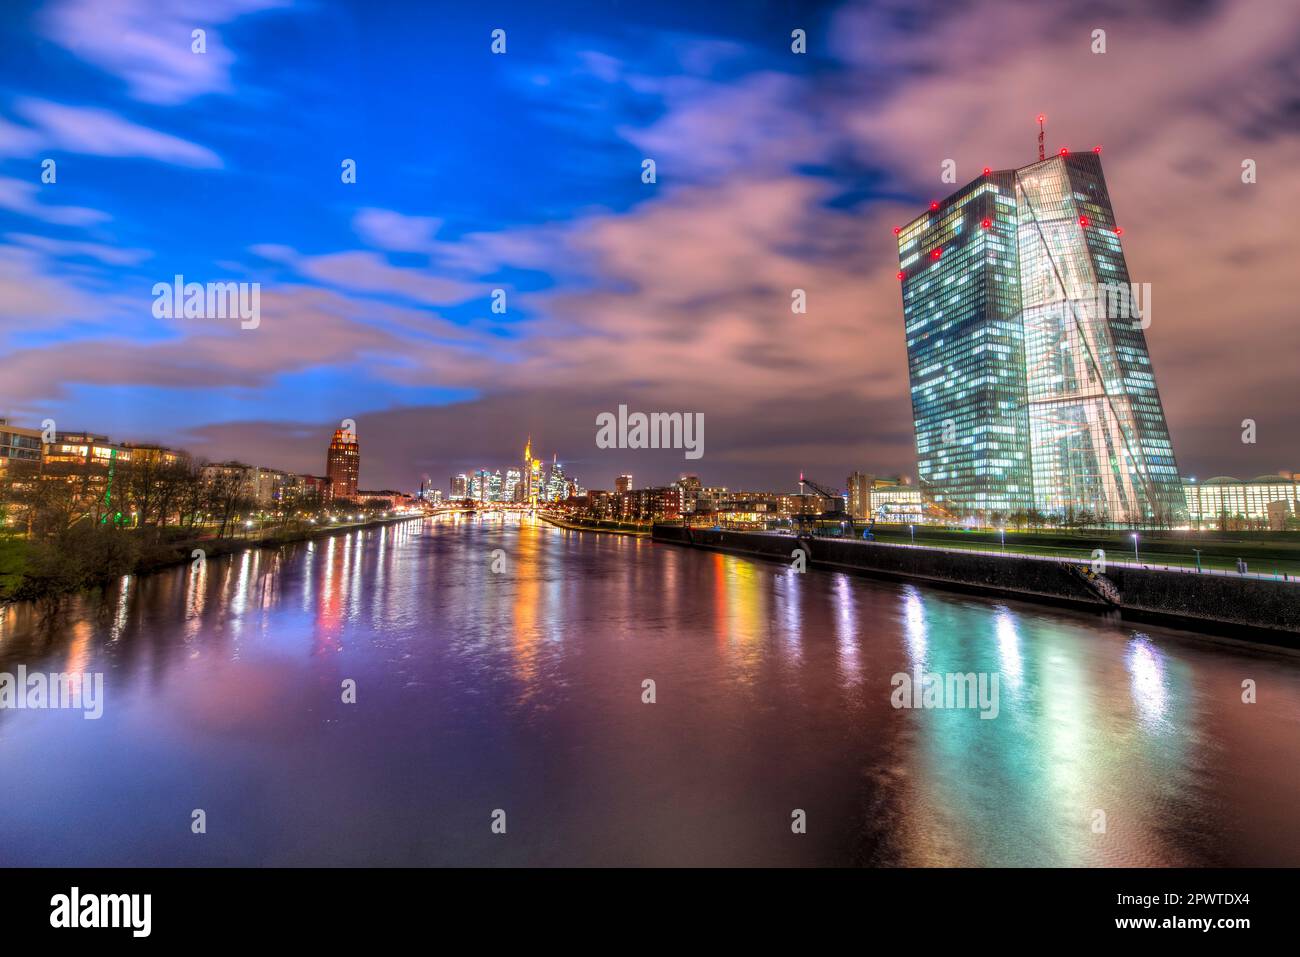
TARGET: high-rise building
(623,483)
(533,488)
(343,464)
(459,486)
(1029,390)
(557,483)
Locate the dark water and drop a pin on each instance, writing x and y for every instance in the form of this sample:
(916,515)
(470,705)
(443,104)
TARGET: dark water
(522,691)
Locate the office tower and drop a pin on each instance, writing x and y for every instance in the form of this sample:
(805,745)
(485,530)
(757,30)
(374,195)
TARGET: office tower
(343,464)
(1030,389)
(459,486)
(557,483)
(532,475)
(623,483)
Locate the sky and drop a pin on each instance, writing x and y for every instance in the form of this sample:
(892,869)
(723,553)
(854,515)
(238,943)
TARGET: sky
(523,171)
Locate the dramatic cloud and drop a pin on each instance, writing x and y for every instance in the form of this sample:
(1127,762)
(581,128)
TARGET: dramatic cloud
(777,173)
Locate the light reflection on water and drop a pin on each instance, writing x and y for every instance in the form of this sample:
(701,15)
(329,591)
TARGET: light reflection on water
(522,691)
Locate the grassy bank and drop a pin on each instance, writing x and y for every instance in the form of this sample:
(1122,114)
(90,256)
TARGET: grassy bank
(1264,552)
(13,564)
(92,556)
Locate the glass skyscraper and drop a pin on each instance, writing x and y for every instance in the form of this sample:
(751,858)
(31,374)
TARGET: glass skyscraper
(1032,387)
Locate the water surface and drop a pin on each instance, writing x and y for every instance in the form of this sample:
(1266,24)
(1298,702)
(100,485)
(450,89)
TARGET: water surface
(522,691)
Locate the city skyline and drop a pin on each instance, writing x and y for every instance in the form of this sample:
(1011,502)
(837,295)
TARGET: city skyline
(379,308)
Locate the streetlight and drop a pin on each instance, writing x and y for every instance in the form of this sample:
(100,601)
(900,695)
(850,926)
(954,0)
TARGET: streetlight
(1135,548)
(912,529)
(1198,560)
(1003,530)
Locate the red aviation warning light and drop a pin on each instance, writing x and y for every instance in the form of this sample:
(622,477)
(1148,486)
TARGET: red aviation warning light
(1118,231)
(934,204)
(986,223)
(1064,151)
(987,170)
(1096,149)
(901,275)
(936,252)
(897,230)
(1083,220)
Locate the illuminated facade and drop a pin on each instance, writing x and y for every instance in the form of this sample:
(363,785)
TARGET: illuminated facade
(532,478)
(1269,501)
(343,465)
(1028,391)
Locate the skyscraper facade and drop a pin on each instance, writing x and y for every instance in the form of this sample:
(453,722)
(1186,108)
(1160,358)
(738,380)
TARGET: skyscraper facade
(1030,390)
(343,464)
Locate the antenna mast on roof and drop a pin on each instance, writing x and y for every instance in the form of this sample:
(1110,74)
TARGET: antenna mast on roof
(1041,154)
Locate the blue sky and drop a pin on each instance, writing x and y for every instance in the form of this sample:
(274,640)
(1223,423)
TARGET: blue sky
(522,171)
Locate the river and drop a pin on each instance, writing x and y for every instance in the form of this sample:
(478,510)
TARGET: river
(500,670)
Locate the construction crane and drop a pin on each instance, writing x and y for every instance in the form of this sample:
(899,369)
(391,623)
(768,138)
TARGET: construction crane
(833,497)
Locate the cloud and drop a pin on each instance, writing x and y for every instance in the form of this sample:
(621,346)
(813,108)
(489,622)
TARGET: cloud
(19,196)
(110,255)
(147,43)
(367,272)
(96,132)
(301,329)
(396,232)
(31,299)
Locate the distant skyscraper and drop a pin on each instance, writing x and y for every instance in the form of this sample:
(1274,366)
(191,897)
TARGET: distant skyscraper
(532,475)
(343,464)
(1027,392)
(459,486)
(557,483)
(623,483)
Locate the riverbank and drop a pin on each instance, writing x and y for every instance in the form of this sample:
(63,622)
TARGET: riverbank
(609,528)
(1254,608)
(21,580)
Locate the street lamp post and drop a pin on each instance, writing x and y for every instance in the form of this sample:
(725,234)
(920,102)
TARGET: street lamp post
(1136,558)
(1003,530)
(1198,560)
(912,529)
